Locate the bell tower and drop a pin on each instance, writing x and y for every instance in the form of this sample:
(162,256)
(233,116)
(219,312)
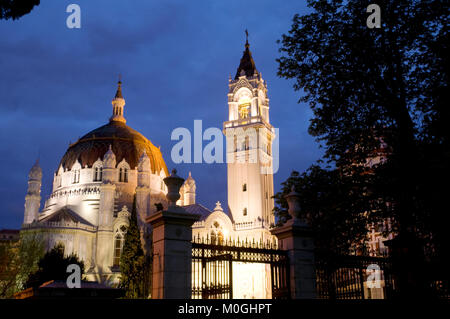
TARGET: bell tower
(249,136)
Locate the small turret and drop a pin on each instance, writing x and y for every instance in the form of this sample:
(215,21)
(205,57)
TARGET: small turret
(109,163)
(189,188)
(33,197)
(144,170)
(118,103)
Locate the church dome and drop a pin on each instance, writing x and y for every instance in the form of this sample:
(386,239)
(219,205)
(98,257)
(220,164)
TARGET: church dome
(126,143)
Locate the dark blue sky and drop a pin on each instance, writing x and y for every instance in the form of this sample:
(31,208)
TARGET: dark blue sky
(56,84)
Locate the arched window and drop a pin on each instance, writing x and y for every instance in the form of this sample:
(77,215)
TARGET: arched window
(219,238)
(244,187)
(245,211)
(98,174)
(123,175)
(244,107)
(118,244)
(216,234)
(76,176)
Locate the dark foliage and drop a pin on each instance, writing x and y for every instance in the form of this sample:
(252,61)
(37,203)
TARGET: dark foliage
(53,266)
(369,87)
(14,9)
(332,204)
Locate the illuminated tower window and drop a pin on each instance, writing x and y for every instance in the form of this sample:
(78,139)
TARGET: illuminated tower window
(244,107)
(245,211)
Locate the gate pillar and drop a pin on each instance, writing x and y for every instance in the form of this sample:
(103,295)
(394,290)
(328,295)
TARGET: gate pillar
(296,237)
(172,246)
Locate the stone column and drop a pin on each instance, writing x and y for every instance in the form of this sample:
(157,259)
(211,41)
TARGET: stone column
(296,237)
(172,247)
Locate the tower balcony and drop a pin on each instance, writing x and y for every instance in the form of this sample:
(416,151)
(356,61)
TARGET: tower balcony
(254,120)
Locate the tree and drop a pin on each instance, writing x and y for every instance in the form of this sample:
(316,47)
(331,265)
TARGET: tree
(17,261)
(14,9)
(53,266)
(367,87)
(384,86)
(331,203)
(134,265)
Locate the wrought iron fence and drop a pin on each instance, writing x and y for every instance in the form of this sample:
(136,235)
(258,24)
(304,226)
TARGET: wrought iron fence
(212,266)
(348,277)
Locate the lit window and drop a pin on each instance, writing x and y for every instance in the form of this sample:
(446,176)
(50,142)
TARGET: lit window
(123,175)
(245,211)
(98,174)
(220,238)
(244,107)
(76,176)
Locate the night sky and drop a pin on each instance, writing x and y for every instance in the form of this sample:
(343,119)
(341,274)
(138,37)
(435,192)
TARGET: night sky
(175,57)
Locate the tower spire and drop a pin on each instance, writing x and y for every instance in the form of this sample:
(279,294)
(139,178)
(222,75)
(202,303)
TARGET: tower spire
(118,103)
(119,88)
(247,66)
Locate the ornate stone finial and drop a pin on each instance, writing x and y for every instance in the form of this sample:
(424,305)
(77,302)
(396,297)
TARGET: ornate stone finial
(218,207)
(144,163)
(109,159)
(124,213)
(293,199)
(173,183)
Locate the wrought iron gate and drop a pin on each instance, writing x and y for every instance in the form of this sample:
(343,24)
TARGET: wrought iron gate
(215,276)
(212,267)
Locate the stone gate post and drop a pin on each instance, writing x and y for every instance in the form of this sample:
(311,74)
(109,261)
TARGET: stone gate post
(296,237)
(172,247)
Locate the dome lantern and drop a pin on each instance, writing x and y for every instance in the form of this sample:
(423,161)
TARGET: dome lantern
(118,103)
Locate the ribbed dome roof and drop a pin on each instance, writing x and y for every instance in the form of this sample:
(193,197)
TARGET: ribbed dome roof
(126,143)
